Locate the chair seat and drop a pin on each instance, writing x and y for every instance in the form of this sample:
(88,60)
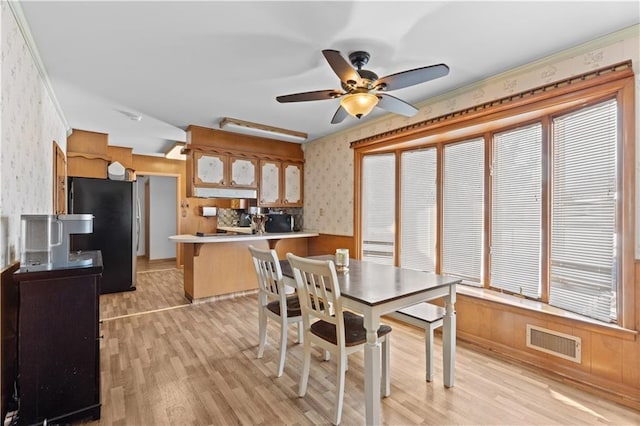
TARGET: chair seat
(293,306)
(354,333)
(426,312)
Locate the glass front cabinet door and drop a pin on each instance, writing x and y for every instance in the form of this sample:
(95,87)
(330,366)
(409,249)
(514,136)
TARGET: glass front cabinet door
(270,183)
(292,185)
(244,172)
(210,169)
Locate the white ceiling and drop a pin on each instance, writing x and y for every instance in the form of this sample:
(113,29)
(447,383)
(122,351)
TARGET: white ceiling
(181,63)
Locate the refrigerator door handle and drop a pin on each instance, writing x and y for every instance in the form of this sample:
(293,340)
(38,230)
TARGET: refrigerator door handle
(70,189)
(138,220)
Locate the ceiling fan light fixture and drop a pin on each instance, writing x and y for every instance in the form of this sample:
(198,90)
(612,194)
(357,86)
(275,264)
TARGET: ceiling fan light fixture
(359,104)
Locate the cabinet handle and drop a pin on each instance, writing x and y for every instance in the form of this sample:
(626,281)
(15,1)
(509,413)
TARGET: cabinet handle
(100,337)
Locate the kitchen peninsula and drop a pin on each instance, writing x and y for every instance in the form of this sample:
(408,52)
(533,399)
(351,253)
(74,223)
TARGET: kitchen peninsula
(220,264)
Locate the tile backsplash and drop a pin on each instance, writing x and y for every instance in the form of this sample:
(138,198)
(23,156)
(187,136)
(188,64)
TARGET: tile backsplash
(230,217)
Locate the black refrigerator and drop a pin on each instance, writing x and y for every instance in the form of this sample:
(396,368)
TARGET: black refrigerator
(113,204)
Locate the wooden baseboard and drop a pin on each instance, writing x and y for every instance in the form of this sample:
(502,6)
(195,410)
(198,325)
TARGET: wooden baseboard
(168,259)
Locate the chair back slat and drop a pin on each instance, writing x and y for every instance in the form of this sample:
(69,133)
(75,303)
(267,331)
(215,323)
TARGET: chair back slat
(318,288)
(270,280)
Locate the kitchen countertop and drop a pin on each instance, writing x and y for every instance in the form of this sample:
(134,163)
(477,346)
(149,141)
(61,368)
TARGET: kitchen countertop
(227,238)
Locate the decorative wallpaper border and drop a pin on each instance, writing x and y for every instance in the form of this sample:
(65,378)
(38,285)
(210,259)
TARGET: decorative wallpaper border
(622,66)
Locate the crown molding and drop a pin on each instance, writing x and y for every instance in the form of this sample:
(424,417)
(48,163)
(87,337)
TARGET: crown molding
(21,21)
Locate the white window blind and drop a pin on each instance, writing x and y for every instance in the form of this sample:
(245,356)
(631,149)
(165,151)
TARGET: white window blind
(583,226)
(516,174)
(463,209)
(378,208)
(419,209)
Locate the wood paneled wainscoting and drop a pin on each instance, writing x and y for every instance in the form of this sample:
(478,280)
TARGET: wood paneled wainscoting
(327,244)
(610,364)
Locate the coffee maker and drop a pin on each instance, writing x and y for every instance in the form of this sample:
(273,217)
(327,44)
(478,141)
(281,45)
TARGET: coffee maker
(45,240)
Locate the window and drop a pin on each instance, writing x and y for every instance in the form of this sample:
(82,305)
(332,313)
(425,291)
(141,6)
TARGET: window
(583,226)
(516,202)
(378,208)
(419,209)
(463,209)
(537,200)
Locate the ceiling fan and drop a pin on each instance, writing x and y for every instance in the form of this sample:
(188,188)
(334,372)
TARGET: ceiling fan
(362,90)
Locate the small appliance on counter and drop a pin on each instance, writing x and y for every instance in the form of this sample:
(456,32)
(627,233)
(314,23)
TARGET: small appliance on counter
(279,222)
(244,219)
(45,240)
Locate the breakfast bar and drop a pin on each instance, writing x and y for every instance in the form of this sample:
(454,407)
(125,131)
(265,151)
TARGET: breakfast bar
(220,264)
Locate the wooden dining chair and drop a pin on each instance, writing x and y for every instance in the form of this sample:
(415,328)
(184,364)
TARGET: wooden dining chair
(271,297)
(429,317)
(328,326)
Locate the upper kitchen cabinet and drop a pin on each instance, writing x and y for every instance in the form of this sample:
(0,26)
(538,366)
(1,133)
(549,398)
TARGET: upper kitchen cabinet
(214,174)
(223,171)
(87,154)
(280,184)
(231,161)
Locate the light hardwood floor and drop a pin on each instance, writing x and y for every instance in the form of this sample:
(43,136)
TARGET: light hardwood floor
(164,362)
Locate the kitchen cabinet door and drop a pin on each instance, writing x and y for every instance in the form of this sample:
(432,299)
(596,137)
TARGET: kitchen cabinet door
(280,184)
(270,183)
(210,170)
(244,172)
(292,183)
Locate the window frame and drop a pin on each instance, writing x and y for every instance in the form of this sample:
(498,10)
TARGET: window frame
(536,105)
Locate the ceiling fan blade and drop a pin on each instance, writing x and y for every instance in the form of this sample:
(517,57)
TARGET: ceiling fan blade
(317,95)
(395,105)
(339,116)
(411,77)
(341,67)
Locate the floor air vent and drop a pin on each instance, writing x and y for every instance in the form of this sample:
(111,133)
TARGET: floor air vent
(554,343)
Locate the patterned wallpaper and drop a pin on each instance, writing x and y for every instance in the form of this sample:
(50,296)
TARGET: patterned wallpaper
(328,191)
(30,123)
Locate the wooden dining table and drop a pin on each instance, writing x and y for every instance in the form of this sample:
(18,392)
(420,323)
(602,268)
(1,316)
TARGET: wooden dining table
(373,290)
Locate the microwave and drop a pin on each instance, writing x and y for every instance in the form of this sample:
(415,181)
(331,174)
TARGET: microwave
(280,222)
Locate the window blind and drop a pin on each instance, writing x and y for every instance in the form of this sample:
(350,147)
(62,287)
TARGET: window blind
(516,174)
(378,208)
(418,194)
(583,226)
(462,210)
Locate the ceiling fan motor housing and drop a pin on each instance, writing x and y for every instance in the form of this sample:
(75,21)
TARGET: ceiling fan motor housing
(359,59)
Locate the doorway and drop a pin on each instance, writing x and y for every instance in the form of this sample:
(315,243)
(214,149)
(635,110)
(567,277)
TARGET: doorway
(158,218)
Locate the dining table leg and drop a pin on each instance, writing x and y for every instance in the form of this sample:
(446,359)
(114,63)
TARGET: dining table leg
(373,371)
(449,338)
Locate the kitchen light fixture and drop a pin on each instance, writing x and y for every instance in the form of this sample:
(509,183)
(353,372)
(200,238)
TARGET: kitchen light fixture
(262,129)
(175,153)
(359,104)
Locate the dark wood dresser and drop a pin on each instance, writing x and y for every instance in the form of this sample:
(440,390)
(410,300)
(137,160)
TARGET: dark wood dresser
(58,343)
